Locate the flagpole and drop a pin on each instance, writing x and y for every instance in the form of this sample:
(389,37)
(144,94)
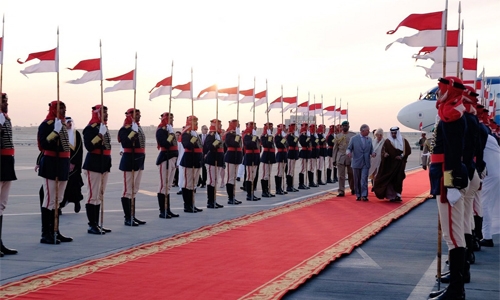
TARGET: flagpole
(167,197)
(267,103)
(297,106)
(335,113)
(132,201)
(340,111)
(347,112)
(56,203)
(192,128)
(282,104)
(461,34)
(322,114)
(445,40)
(477,58)
(101,190)
(1,58)
(238,103)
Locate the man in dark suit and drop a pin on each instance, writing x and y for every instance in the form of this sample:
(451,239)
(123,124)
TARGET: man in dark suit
(359,150)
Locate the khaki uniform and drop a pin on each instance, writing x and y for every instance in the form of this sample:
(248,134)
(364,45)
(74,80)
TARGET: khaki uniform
(341,159)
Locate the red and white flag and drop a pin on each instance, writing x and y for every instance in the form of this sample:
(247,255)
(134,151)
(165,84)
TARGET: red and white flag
(343,114)
(469,66)
(208,93)
(303,107)
(262,96)
(290,105)
(430,27)
(435,53)
(316,108)
(125,82)
(1,50)
(420,126)
(163,87)
(232,94)
(277,103)
(49,62)
(185,93)
(93,68)
(329,111)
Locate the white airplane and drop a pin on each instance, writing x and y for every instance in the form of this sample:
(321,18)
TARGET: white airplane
(424,110)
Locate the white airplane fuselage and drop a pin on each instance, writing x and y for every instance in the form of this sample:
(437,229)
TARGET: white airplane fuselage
(424,110)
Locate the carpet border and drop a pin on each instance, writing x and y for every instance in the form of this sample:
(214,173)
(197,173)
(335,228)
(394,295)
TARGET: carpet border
(294,277)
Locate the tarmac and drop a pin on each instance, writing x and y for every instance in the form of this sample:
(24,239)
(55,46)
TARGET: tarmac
(397,263)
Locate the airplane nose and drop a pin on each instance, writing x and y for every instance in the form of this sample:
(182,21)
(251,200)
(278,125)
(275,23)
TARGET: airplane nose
(408,114)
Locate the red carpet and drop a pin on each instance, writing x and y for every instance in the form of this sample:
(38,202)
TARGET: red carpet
(258,256)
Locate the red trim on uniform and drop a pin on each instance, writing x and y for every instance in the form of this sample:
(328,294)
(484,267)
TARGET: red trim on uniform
(171,148)
(330,147)
(135,150)
(450,226)
(48,192)
(98,151)
(437,158)
(220,150)
(233,149)
(161,176)
(252,151)
(90,187)
(55,154)
(195,150)
(293,148)
(282,150)
(209,171)
(9,152)
(269,149)
(124,183)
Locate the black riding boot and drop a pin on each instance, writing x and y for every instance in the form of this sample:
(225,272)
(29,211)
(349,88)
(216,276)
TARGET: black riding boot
(456,288)
(265,188)
(311,179)
(302,186)
(48,227)
(187,196)
(133,215)
(169,212)
(4,250)
(469,252)
(127,213)
(335,178)
(230,194)
(91,216)
(329,176)
(161,205)
(97,209)
(320,177)
(210,197)
(279,189)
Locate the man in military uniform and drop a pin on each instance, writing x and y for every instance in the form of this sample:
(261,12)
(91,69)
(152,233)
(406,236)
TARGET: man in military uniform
(448,168)
(96,166)
(191,161)
(166,162)
(304,154)
(281,154)
(213,149)
(133,141)
(7,172)
(232,158)
(329,142)
(341,160)
(251,143)
(313,159)
(53,142)
(292,156)
(268,159)
(322,153)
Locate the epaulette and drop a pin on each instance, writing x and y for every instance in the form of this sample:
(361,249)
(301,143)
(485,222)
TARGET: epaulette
(127,126)
(164,127)
(50,122)
(94,125)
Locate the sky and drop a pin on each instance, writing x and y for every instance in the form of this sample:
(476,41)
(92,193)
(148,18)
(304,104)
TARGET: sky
(329,49)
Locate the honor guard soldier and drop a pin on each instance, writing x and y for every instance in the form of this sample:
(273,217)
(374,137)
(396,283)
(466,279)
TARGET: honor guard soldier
(268,159)
(166,162)
(304,154)
(341,160)
(191,161)
(252,159)
(8,174)
(313,159)
(53,142)
(322,153)
(213,149)
(281,153)
(232,158)
(329,152)
(292,156)
(97,165)
(133,141)
(448,169)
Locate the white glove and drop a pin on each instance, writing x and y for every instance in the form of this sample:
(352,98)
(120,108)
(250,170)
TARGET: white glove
(2,119)
(57,125)
(193,133)
(238,132)
(296,133)
(170,129)
(103,129)
(135,127)
(315,135)
(308,133)
(283,134)
(254,132)
(483,174)
(269,132)
(453,195)
(217,136)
